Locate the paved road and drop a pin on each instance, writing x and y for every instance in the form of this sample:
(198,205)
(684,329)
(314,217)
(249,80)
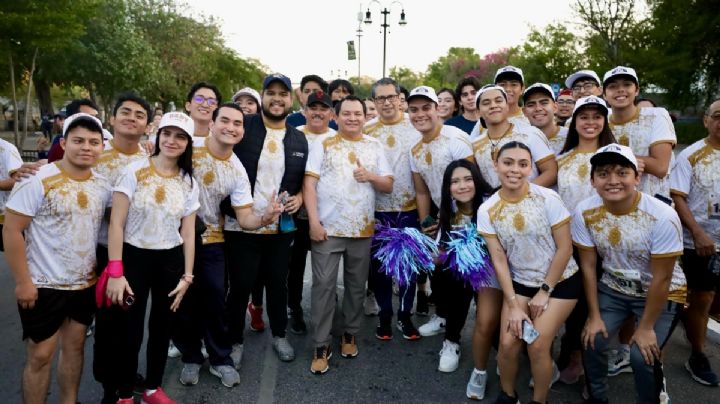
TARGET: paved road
(394,371)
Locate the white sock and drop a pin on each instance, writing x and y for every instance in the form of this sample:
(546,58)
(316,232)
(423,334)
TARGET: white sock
(479,372)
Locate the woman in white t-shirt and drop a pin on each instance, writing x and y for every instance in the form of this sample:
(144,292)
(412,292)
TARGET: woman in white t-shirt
(527,231)
(151,247)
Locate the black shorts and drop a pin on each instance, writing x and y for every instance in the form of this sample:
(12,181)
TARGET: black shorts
(570,288)
(51,309)
(699,278)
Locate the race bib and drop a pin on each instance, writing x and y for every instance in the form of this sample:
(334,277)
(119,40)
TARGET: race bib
(627,280)
(714,205)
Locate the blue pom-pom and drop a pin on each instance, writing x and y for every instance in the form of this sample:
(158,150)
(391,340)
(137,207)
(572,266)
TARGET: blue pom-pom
(467,257)
(404,252)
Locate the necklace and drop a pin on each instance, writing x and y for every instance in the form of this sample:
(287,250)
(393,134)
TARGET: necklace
(494,145)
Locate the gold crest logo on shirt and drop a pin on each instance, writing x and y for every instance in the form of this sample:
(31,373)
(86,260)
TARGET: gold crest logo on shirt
(390,141)
(352,157)
(159,194)
(582,171)
(519,222)
(428,158)
(208,178)
(614,236)
(272,146)
(82,200)
(624,140)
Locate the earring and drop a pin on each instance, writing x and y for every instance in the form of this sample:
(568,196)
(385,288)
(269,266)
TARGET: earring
(454,205)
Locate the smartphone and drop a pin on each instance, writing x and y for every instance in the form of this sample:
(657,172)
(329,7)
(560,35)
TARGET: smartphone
(428,221)
(128,300)
(530,334)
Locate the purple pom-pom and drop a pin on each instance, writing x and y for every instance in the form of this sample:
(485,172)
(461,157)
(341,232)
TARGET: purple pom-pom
(466,256)
(404,252)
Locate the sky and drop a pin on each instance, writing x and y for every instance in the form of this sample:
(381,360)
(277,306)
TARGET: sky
(310,36)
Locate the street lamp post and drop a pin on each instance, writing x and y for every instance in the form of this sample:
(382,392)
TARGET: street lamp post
(385,12)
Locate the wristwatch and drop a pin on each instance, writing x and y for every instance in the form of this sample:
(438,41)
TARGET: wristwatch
(546,288)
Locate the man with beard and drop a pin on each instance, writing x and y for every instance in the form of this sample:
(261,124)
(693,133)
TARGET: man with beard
(274,155)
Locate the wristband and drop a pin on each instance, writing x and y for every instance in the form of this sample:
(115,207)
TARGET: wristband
(115,269)
(187,278)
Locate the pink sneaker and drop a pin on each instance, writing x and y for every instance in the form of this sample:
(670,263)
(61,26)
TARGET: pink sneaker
(158,397)
(125,401)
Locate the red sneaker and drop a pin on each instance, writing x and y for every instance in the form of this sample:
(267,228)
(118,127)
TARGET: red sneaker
(256,321)
(158,397)
(125,401)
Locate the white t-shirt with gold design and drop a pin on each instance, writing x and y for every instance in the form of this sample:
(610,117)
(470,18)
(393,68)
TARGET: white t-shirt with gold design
(397,138)
(270,170)
(66,215)
(531,136)
(558,140)
(430,159)
(157,205)
(218,178)
(10,160)
(110,165)
(524,228)
(517,120)
(650,126)
(574,177)
(627,242)
(346,208)
(696,176)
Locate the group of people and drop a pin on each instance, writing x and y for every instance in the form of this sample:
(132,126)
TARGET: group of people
(582,207)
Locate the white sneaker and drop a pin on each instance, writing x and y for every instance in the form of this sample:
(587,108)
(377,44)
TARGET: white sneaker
(555,377)
(476,385)
(236,355)
(173,352)
(435,326)
(620,363)
(204,352)
(371,306)
(449,357)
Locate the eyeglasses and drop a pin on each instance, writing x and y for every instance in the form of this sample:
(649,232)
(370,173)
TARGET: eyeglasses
(199,99)
(566,102)
(381,99)
(714,117)
(586,87)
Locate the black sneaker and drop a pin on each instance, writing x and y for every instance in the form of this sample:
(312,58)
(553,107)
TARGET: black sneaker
(408,329)
(505,399)
(297,323)
(421,305)
(383,331)
(699,367)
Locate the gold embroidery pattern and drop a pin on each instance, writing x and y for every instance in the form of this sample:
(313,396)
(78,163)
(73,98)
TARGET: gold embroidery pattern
(428,158)
(614,236)
(352,158)
(160,194)
(208,178)
(82,200)
(624,140)
(519,222)
(272,146)
(391,141)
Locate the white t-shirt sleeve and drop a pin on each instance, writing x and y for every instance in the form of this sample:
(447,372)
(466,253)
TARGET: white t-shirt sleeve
(460,149)
(241,194)
(681,175)
(580,233)
(667,235)
(13,161)
(484,225)
(475,132)
(555,210)
(26,197)
(315,158)
(126,182)
(192,202)
(662,128)
(541,151)
(413,166)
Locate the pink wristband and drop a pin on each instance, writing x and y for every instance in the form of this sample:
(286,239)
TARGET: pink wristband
(115,269)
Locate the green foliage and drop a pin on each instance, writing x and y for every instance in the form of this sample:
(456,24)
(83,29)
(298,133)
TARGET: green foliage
(689,131)
(459,63)
(549,55)
(406,77)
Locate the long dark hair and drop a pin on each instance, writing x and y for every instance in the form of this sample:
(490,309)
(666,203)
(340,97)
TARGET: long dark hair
(185,159)
(573,137)
(450,91)
(447,212)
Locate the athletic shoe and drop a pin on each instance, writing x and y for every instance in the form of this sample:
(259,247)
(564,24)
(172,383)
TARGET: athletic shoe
(156,397)
(173,352)
(664,396)
(408,329)
(125,401)
(348,346)
(236,355)
(555,377)
(505,399)
(435,326)
(371,306)
(699,367)
(321,356)
(190,374)
(284,350)
(621,363)
(421,305)
(475,389)
(228,375)
(297,322)
(256,321)
(449,357)
(383,331)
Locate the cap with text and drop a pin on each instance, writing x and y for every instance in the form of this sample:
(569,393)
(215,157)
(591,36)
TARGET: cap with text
(509,73)
(590,100)
(538,88)
(581,74)
(81,116)
(178,120)
(613,149)
(423,91)
(621,71)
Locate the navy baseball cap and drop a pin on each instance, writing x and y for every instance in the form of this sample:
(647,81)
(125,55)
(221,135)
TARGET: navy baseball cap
(271,78)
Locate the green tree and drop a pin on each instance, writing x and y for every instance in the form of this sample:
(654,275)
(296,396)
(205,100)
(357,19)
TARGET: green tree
(549,54)
(449,69)
(406,77)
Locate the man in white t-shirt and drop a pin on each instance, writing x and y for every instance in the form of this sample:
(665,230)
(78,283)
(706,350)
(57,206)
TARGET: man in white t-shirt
(695,189)
(51,226)
(540,108)
(344,173)
(639,239)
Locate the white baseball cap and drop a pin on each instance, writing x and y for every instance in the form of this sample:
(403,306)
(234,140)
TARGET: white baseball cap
(486,88)
(81,116)
(538,87)
(179,120)
(581,74)
(621,71)
(614,149)
(510,71)
(590,100)
(423,91)
(249,92)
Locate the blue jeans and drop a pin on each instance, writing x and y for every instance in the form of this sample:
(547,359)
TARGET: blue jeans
(615,307)
(382,284)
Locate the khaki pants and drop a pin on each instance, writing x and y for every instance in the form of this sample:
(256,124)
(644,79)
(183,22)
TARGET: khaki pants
(326,255)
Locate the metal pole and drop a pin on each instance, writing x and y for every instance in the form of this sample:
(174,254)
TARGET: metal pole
(385,13)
